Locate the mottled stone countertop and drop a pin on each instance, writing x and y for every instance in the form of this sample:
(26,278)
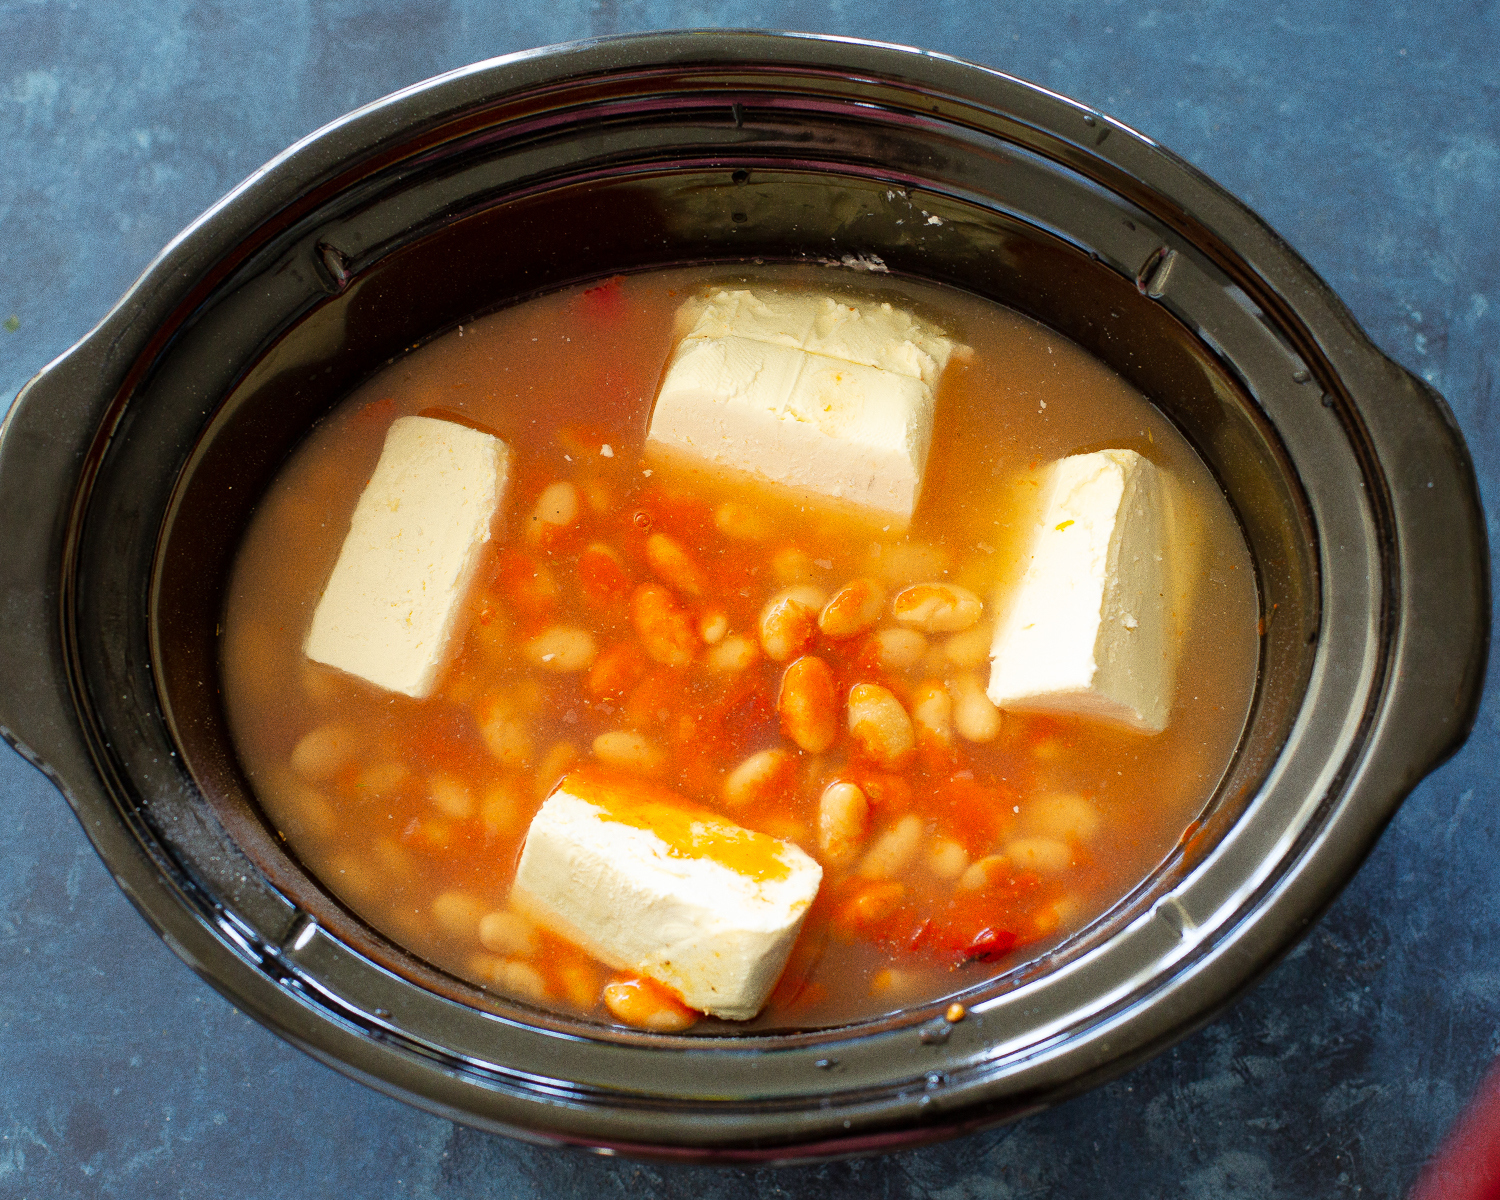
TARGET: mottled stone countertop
(1369,136)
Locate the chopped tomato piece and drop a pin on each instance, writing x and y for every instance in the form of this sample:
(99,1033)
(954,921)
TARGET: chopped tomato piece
(602,576)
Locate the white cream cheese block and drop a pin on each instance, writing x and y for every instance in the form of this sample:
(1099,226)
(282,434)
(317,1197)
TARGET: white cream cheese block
(648,883)
(1090,629)
(807,391)
(402,577)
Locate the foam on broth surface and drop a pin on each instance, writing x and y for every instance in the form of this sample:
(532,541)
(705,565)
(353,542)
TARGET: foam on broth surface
(413,813)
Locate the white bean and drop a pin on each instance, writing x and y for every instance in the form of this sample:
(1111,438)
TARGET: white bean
(757,776)
(457,913)
(974,715)
(741,522)
(880,726)
(556,508)
(788,620)
(843,818)
(507,932)
(853,609)
(1062,815)
(562,648)
(893,849)
(732,655)
(320,754)
(988,870)
(712,626)
(936,607)
(1046,855)
(946,859)
(451,797)
(521,980)
(899,649)
(792,566)
(932,710)
(969,649)
(629,751)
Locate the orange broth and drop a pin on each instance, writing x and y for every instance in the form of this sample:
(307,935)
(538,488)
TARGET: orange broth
(413,812)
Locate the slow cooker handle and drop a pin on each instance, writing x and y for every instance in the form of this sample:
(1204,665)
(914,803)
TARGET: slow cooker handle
(43,444)
(1444,578)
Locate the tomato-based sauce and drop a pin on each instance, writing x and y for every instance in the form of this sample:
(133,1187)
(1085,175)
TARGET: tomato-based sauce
(618,630)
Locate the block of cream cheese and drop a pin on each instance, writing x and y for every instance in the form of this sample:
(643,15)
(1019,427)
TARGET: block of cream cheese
(805,390)
(649,883)
(1090,630)
(398,588)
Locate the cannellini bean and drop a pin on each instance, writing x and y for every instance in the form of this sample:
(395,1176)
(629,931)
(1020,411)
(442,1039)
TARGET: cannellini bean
(733,654)
(554,765)
(555,508)
(646,1005)
(843,818)
(300,808)
(974,715)
(809,704)
(788,620)
(665,630)
(979,875)
(793,566)
(1068,908)
(500,809)
(505,733)
(457,913)
(320,754)
(1062,815)
(899,649)
(1046,855)
(946,859)
(874,903)
(758,776)
(561,648)
(667,557)
(616,671)
(888,981)
(893,849)
(379,778)
(936,607)
(741,522)
(880,726)
(519,979)
(932,710)
(934,662)
(969,649)
(712,626)
(629,751)
(451,797)
(507,932)
(853,609)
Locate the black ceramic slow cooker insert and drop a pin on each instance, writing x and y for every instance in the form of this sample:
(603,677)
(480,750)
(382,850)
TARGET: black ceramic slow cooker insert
(130,466)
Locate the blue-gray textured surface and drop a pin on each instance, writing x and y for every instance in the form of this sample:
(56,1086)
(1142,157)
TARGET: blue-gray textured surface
(1368,136)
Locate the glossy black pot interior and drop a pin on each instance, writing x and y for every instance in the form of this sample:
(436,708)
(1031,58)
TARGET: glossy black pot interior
(152,440)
